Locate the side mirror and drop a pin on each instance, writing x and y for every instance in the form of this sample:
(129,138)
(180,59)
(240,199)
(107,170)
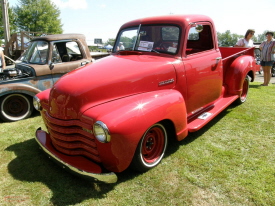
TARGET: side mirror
(199,28)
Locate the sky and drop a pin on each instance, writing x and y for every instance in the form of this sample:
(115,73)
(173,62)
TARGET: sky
(103,18)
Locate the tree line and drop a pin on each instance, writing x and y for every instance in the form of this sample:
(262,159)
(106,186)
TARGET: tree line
(43,16)
(230,39)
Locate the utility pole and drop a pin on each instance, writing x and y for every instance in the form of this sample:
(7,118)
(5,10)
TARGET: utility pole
(6,22)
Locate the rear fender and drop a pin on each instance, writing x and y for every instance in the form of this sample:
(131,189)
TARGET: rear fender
(236,73)
(128,118)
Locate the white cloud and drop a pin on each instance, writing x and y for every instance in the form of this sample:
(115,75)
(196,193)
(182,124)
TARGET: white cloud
(72,4)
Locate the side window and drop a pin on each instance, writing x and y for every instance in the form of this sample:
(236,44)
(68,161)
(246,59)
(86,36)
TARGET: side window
(199,41)
(193,35)
(73,51)
(66,52)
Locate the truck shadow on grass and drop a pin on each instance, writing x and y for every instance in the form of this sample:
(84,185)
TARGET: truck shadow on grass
(174,144)
(32,165)
(255,86)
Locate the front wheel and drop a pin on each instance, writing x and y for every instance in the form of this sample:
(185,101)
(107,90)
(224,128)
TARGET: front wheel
(242,98)
(150,149)
(15,107)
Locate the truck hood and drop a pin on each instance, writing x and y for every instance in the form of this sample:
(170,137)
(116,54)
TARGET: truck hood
(108,79)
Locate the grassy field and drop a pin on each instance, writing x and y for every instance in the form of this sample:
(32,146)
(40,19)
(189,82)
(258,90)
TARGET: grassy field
(229,162)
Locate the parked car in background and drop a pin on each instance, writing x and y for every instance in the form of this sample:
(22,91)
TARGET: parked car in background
(41,65)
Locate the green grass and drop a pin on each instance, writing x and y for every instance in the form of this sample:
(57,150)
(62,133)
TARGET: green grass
(231,161)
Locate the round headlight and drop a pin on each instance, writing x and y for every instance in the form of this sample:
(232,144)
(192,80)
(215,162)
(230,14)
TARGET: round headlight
(36,103)
(101,132)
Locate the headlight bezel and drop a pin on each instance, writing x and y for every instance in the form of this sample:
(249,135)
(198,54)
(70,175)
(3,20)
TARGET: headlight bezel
(101,132)
(37,103)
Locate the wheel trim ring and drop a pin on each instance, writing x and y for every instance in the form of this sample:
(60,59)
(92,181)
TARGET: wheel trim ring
(17,99)
(244,90)
(153,145)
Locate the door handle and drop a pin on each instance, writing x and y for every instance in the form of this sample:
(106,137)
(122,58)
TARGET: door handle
(83,63)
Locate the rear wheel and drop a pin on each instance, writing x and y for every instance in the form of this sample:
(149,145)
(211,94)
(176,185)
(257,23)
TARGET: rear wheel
(15,107)
(273,70)
(150,149)
(242,98)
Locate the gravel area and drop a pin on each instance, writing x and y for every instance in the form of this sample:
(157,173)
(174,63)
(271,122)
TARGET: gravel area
(260,78)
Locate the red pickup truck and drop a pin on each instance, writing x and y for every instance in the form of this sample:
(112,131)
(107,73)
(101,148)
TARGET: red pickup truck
(166,77)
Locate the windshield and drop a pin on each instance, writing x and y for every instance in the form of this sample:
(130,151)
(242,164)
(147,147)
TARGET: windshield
(150,38)
(36,53)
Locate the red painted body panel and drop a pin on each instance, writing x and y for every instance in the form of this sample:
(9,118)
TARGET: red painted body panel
(204,74)
(132,90)
(104,81)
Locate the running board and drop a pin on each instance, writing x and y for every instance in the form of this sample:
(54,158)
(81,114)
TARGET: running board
(207,116)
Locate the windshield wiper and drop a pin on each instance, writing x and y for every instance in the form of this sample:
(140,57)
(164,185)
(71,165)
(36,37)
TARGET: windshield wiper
(155,51)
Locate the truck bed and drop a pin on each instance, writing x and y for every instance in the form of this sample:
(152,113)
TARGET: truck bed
(229,54)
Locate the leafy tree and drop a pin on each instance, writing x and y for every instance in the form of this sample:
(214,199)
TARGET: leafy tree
(12,19)
(193,36)
(127,42)
(110,41)
(38,16)
(261,37)
(228,39)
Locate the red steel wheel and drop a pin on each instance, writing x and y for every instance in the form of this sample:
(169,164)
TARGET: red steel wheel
(151,148)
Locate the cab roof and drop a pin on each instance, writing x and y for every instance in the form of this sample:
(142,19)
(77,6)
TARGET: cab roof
(56,37)
(182,20)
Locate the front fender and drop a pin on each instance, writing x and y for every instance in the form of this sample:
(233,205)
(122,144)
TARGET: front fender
(128,118)
(18,88)
(236,73)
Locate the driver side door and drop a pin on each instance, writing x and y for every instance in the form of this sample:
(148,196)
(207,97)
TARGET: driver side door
(203,67)
(66,56)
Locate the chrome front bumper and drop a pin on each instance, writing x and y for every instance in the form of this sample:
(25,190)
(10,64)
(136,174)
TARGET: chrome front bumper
(75,164)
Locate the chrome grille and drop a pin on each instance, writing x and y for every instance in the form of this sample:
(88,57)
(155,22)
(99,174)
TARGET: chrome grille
(69,137)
